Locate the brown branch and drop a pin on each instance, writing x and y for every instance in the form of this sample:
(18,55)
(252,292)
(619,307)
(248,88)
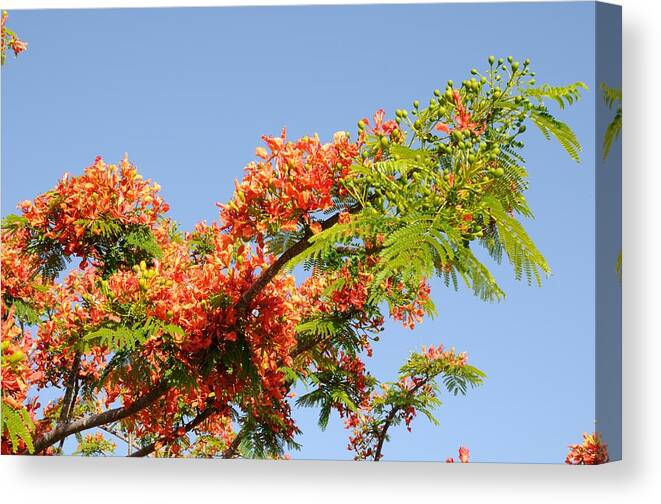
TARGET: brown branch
(112,431)
(389,419)
(62,431)
(68,399)
(234,447)
(199,418)
(70,395)
(269,273)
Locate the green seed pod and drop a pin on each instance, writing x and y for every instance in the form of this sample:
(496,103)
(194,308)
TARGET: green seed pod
(499,172)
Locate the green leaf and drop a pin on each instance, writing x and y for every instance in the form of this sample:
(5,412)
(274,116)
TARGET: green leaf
(550,126)
(17,424)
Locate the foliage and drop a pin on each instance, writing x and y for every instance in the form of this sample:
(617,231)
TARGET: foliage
(612,98)
(93,445)
(415,392)
(17,424)
(191,343)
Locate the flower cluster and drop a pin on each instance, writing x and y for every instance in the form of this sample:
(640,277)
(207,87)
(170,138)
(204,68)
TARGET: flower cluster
(463,119)
(9,39)
(19,270)
(289,185)
(464,456)
(592,451)
(16,345)
(104,200)
(17,375)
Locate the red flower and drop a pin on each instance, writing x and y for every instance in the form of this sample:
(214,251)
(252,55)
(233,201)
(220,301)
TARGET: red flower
(18,46)
(462,119)
(464,454)
(591,451)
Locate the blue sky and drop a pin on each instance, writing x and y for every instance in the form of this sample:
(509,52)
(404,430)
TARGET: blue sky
(188,93)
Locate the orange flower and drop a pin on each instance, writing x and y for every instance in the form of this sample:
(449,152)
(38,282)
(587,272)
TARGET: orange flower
(591,451)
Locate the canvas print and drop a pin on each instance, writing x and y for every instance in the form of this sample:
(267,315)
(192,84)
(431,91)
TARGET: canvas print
(360,232)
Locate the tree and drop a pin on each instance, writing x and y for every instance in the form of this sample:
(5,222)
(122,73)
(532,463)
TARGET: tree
(192,343)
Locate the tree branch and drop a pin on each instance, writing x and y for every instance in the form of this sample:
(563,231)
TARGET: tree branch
(70,394)
(234,447)
(269,273)
(389,419)
(62,431)
(199,418)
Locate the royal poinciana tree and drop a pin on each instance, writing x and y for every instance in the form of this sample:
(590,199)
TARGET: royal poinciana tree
(193,343)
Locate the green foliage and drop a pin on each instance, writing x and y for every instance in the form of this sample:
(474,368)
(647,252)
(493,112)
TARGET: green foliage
(562,95)
(13,222)
(612,98)
(120,337)
(550,126)
(115,245)
(24,312)
(142,239)
(334,387)
(264,437)
(18,426)
(520,249)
